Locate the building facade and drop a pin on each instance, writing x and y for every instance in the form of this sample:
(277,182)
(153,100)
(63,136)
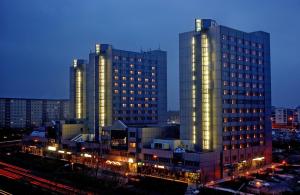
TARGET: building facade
(225,94)
(123,85)
(78,89)
(26,113)
(285,118)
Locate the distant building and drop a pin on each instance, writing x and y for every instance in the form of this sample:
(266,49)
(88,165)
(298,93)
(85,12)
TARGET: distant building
(225,96)
(119,85)
(285,118)
(173,117)
(22,112)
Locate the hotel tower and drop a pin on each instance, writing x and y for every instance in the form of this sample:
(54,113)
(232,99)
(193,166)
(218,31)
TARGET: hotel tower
(119,85)
(225,93)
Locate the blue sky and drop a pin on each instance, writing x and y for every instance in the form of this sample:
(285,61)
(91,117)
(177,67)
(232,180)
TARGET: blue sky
(39,39)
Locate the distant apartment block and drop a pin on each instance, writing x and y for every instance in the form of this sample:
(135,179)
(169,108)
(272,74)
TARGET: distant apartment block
(22,112)
(119,85)
(285,118)
(225,95)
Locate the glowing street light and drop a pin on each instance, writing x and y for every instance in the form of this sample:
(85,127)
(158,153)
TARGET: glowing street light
(51,148)
(130,160)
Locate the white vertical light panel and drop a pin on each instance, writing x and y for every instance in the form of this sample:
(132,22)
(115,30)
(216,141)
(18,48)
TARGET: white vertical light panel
(205,92)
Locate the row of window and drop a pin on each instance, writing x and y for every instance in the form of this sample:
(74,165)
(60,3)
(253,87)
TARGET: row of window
(132,73)
(132,59)
(139,79)
(243,137)
(233,48)
(135,112)
(116,91)
(241,67)
(238,101)
(141,99)
(241,146)
(242,58)
(124,78)
(242,119)
(243,93)
(136,118)
(243,110)
(242,128)
(135,85)
(124,105)
(139,71)
(242,41)
(243,84)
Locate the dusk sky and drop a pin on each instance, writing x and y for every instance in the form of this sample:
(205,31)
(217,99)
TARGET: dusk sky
(39,39)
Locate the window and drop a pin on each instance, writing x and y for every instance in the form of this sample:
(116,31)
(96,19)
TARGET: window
(132,145)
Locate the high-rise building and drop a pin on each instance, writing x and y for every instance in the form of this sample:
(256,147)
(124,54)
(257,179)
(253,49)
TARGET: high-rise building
(26,113)
(78,89)
(225,93)
(121,85)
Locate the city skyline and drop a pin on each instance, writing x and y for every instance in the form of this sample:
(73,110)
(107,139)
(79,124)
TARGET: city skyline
(49,35)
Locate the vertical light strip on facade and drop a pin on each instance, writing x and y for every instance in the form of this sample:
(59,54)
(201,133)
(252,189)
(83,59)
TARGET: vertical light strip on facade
(205,92)
(194,90)
(102,91)
(78,88)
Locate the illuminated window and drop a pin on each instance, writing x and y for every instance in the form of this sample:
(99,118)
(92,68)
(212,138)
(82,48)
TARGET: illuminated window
(132,145)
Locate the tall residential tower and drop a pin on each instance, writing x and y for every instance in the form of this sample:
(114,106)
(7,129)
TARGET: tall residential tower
(225,92)
(78,89)
(120,85)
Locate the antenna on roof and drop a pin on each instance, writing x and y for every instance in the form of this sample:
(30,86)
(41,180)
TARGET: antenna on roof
(158,46)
